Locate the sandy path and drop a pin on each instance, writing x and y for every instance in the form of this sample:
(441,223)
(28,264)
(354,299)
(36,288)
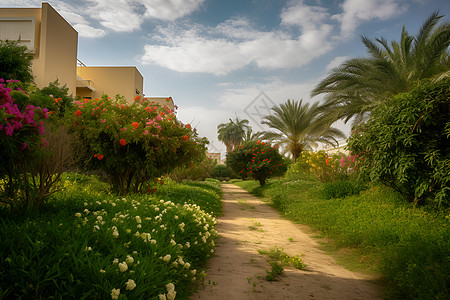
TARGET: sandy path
(237,271)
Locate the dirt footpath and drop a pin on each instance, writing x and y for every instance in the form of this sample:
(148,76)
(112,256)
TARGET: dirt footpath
(237,271)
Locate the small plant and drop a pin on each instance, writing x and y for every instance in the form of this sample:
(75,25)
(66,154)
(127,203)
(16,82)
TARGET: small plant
(277,270)
(276,253)
(256,226)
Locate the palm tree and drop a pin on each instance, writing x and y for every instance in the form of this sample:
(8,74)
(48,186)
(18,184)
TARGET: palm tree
(250,136)
(232,133)
(358,85)
(299,127)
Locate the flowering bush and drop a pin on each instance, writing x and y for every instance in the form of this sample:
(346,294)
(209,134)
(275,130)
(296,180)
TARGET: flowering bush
(22,139)
(323,166)
(133,143)
(103,246)
(256,159)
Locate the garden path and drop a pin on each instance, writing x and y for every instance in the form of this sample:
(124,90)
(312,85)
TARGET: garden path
(237,270)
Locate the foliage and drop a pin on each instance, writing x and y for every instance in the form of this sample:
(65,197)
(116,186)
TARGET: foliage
(408,244)
(232,133)
(15,62)
(358,85)
(54,97)
(323,166)
(299,127)
(199,170)
(276,253)
(342,188)
(133,143)
(258,160)
(23,151)
(405,143)
(87,243)
(222,172)
(277,270)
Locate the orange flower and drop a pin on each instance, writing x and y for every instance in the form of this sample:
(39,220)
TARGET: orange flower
(78,113)
(327,161)
(137,98)
(135,125)
(185,137)
(122,142)
(188,126)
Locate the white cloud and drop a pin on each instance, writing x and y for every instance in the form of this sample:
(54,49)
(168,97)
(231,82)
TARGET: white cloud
(233,45)
(357,11)
(308,17)
(170,9)
(336,62)
(88,31)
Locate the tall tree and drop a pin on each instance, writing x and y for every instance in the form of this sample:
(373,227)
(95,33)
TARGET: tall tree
(232,133)
(358,85)
(299,127)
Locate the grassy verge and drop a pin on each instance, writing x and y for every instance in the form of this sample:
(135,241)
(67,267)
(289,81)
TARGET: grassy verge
(409,246)
(86,243)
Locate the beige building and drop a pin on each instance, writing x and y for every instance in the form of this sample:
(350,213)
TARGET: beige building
(93,82)
(54,43)
(51,39)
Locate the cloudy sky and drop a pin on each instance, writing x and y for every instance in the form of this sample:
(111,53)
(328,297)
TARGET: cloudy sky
(222,59)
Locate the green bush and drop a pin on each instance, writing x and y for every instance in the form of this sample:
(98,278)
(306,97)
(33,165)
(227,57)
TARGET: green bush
(405,143)
(221,172)
(342,188)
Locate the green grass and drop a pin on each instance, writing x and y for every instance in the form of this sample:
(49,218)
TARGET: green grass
(82,240)
(408,245)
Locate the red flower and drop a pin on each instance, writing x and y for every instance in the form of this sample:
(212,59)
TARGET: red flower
(95,155)
(327,161)
(78,113)
(100,157)
(122,142)
(185,137)
(137,98)
(135,125)
(151,191)
(188,126)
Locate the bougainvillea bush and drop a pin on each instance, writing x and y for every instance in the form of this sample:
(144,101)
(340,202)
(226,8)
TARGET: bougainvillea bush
(22,142)
(133,143)
(258,160)
(88,244)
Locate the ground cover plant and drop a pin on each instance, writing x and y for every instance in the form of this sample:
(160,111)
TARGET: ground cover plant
(409,245)
(88,243)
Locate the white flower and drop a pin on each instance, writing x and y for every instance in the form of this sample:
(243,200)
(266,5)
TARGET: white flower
(153,242)
(113,204)
(115,234)
(173,242)
(138,220)
(167,258)
(115,261)
(139,226)
(176,217)
(129,260)
(162,297)
(170,287)
(96,227)
(156,208)
(115,294)
(130,284)
(171,294)
(100,218)
(102,271)
(88,249)
(78,215)
(123,266)
(187,265)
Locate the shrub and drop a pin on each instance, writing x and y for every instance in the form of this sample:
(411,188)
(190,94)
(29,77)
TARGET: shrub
(222,172)
(342,188)
(405,143)
(133,143)
(256,159)
(198,170)
(15,61)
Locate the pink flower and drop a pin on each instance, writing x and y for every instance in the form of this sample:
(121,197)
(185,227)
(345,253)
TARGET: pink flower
(24,146)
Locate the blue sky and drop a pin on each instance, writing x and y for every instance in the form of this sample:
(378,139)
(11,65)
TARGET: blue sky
(222,59)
